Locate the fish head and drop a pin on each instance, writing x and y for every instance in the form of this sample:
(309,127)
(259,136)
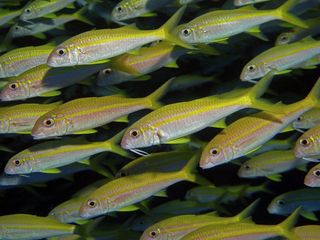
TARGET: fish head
(19,164)
(247,170)
(14,90)
(92,207)
(304,122)
(284,38)
(254,70)
(154,232)
(312,179)
(281,206)
(239,3)
(20,30)
(29,12)
(307,146)
(64,55)
(50,125)
(139,136)
(110,76)
(187,33)
(215,154)
(124,10)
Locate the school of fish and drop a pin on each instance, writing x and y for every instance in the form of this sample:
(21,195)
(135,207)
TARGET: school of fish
(160,119)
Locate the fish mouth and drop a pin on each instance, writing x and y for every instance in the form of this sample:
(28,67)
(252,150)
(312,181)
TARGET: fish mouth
(205,164)
(37,136)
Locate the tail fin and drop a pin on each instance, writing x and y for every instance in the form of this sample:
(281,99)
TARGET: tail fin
(112,145)
(314,94)
(247,212)
(79,16)
(257,91)
(167,29)
(288,225)
(283,13)
(189,171)
(154,97)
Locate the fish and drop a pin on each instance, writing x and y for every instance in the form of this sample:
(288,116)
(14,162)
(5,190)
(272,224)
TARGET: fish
(46,157)
(312,178)
(25,226)
(128,66)
(11,181)
(308,145)
(307,232)
(224,194)
(218,25)
(40,8)
(37,27)
(248,133)
(179,226)
(281,58)
(68,211)
(43,81)
(7,16)
(156,162)
(299,33)
(127,9)
(270,164)
(96,45)
(180,119)
(274,144)
(246,230)
(240,3)
(307,120)
(82,114)
(21,118)
(306,198)
(20,60)
(126,191)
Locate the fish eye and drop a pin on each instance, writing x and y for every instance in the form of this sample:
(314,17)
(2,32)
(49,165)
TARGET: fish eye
(49,122)
(284,38)
(153,234)
(280,202)
(247,167)
(61,52)
(252,68)
(214,152)
(299,119)
(16,162)
(304,142)
(107,71)
(27,10)
(16,28)
(186,32)
(13,86)
(134,133)
(119,9)
(92,203)
(316,173)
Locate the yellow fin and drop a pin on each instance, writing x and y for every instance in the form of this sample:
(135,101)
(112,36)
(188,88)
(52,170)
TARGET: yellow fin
(283,72)
(50,94)
(128,208)
(179,141)
(275,177)
(85,161)
(289,128)
(51,171)
(122,119)
(172,65)
(149,14)
(220,124)
(143,78)
(162,193)
(88,131)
